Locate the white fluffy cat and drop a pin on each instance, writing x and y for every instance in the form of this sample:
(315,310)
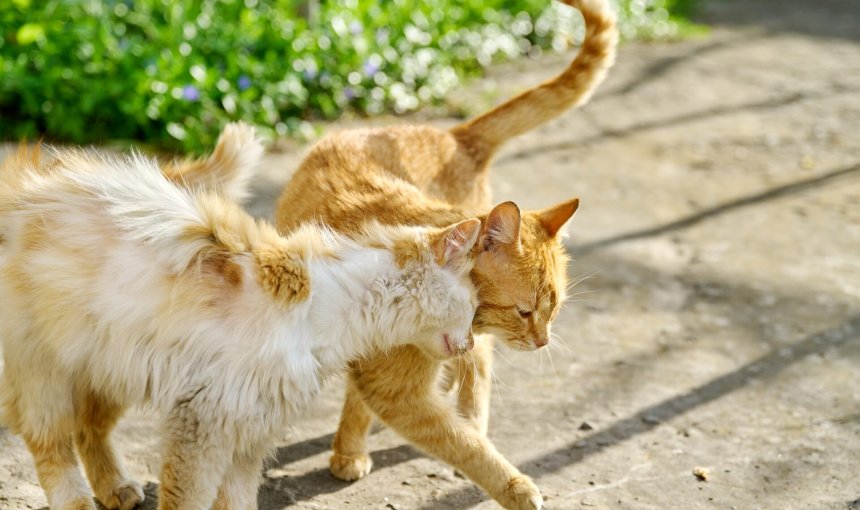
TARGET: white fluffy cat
(119,288)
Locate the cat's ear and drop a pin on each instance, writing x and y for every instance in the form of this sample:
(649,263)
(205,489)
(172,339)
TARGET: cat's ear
(554,218)
(502,228)
(456,241)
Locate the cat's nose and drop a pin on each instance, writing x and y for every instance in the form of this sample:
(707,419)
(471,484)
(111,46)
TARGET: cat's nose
(541,341)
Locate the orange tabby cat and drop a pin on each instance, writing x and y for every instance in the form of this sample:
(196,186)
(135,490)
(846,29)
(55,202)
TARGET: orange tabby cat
(423,176)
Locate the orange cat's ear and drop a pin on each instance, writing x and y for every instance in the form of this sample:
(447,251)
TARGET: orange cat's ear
(554,218)
(456,242)
(502,227)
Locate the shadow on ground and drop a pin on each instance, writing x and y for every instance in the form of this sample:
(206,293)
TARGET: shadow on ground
(822,18)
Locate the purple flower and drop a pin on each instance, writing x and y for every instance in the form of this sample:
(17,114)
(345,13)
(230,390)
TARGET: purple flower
(349,93)
(190,93)
(244,83)
(356,28)
(310,71)
(382,36)
(370,69)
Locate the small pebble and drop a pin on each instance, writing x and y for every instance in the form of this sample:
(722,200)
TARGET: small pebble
(650,419)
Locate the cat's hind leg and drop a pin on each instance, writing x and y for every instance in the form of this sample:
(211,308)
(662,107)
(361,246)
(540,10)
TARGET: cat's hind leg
(45,425)
(238,490)
(197,455)
(38,405)
(58,471)
(96,418)
(350,460)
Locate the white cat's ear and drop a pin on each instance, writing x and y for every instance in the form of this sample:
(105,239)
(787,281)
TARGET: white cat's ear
(555,217)
(456,242)
(502,228)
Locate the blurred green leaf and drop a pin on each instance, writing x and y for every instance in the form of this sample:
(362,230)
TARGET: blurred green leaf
(172,72)
(30,33)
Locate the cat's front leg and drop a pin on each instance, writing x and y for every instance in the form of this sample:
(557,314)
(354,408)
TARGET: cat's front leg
(350,460)
(196,457)
(412,406)
(436,430)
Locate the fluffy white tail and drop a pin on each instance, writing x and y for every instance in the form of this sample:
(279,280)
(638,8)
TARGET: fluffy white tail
(229,168)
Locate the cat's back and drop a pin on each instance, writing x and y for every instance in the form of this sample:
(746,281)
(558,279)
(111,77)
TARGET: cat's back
(63,248)
(356,157)
(377,172)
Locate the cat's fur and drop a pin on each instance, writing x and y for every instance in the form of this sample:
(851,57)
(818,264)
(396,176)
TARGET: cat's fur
(418,175)
(120,288)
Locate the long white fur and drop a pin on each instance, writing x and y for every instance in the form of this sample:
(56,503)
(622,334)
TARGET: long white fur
(231,166)
(106,303)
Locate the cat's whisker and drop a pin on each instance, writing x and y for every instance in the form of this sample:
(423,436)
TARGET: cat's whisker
(552,364)
(579,300)
(576,281)
(567,302)
(496,383)
(560,343)
(502,356)
(560,324)
(590,291)
(497,379)
(585,276)
(555,336)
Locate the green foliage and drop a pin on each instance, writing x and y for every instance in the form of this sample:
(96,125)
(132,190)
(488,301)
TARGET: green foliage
(172,72)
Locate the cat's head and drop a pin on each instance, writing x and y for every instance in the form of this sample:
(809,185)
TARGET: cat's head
(431,295)
(521,273)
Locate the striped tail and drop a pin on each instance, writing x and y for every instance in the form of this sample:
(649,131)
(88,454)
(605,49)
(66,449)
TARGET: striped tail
(571,88)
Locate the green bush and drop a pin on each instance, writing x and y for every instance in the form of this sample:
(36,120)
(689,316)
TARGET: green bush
(172,72)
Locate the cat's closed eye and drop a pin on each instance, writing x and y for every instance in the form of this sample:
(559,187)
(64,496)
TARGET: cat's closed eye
(525,314)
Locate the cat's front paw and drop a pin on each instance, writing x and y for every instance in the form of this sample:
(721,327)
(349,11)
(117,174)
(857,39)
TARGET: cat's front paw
(522,494)
(124,496)
(350,467)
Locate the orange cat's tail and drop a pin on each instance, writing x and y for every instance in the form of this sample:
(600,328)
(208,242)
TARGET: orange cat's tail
(228,169)
(571,88)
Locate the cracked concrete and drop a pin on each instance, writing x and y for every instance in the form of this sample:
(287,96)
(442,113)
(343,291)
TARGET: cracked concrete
(718,318)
